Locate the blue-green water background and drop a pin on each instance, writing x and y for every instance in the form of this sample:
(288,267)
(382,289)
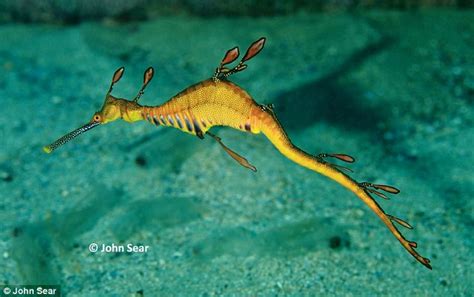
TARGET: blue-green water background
(395,89)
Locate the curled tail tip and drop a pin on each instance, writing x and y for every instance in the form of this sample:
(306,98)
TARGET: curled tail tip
(426,263)
(411,249)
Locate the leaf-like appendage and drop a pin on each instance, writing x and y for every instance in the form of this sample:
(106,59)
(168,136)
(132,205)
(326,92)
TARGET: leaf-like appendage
(148,75)
(118,75)
(254,49)
(230,56)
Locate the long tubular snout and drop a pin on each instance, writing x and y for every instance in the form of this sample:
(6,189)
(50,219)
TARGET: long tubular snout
(71,135)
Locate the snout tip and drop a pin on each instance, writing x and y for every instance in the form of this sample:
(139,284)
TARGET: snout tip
(47,149)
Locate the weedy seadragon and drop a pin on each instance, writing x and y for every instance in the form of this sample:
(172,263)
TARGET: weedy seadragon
(218,102)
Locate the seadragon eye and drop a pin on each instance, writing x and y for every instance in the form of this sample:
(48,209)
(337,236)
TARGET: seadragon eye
(96,118)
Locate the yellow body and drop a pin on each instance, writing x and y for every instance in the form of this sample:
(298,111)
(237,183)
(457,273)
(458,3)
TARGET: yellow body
(201,106)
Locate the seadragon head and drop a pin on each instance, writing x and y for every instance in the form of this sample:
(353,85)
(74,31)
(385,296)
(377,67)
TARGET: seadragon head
(112,109)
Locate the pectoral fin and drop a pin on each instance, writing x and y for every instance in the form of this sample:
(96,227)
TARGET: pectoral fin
(241,160)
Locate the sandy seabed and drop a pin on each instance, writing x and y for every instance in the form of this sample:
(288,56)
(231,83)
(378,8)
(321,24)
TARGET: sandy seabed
(395,90)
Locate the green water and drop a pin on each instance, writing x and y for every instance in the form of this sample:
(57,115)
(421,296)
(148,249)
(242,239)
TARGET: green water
(393,89)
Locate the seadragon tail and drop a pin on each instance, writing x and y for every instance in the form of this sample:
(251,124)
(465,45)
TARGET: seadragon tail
(271,128)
